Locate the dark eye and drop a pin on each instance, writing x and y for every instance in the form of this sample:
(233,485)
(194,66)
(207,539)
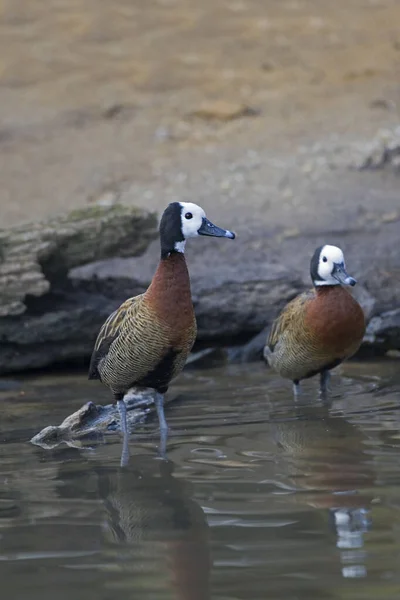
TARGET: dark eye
(188,216)
(324,259)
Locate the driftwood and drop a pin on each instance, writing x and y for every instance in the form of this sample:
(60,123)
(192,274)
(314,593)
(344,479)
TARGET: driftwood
(91,421)
(33,256)
(42,318)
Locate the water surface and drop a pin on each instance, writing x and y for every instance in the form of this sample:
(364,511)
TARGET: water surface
(260,498)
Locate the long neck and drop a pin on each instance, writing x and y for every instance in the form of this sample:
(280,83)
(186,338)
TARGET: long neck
(169,247)
(170,286)
(323,290)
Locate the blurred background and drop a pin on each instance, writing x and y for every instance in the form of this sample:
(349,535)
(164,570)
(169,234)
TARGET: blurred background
(238,103)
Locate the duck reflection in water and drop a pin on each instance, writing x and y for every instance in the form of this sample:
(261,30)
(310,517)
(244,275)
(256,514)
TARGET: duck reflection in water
(152,514)
(325,458)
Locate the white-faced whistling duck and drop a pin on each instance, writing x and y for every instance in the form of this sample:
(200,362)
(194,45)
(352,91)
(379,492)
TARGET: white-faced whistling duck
(146,341)
(318,329)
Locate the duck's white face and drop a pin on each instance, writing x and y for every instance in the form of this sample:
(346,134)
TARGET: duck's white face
(183,220)
(330,255)
(332,268)
(192,217)
(194,222)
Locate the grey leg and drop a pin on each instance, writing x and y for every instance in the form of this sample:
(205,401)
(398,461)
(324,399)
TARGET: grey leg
(124,428)
(296,389)
(324,383)
(159,402)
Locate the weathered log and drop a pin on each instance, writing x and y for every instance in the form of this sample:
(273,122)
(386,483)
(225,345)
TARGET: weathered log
(35,255)
(43,319)
(91,421)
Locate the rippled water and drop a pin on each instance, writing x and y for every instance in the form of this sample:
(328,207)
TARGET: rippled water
(260,498)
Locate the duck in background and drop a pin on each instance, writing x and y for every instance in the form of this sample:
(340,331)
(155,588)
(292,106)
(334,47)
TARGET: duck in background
(320,328)
(146,341)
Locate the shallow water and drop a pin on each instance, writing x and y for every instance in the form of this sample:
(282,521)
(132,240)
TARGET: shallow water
(260,498)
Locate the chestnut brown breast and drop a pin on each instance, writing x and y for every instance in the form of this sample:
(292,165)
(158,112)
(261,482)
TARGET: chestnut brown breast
(169,297)
(336,319)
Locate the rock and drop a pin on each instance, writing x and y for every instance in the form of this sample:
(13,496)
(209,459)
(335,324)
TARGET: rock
(252,351)
(383,332)
(240,304)
(44,319)
(382,151)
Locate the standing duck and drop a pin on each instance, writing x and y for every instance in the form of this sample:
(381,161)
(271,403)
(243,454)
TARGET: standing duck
(319,329)
(146,341)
